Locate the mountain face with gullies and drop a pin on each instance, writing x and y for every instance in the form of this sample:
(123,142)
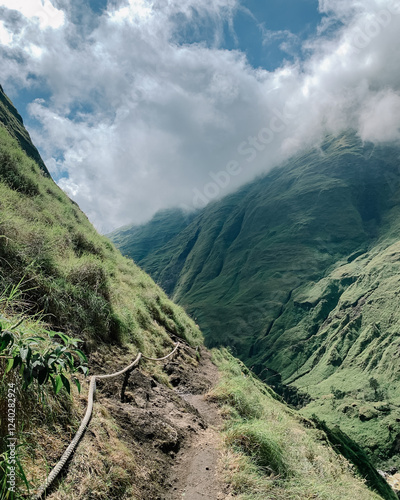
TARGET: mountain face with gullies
(299,273)
(60,282)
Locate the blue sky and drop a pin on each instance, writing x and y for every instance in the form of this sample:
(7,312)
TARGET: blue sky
(140,105)
(296,17)
(259,28)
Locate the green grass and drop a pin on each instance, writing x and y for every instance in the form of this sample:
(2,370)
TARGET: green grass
(267,451)
(70,274)
(271,452)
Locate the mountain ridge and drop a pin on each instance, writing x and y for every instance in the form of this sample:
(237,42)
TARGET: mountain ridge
(268,271)
(12,120)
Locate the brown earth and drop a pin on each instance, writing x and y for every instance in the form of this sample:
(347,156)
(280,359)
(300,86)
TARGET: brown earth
(171,433)
(195,472)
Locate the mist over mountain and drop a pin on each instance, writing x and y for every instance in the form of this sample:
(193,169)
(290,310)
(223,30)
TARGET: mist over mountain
(298,273)
(163,227)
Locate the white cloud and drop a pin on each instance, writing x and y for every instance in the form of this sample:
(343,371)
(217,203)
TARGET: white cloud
(5,35)
(41,11)
(135,11)
(379,121)
(140,121)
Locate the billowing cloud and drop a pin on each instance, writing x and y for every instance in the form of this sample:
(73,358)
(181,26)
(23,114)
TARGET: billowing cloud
(41,11)
(136,120)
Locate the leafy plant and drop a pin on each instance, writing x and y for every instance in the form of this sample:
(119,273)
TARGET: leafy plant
(43,358)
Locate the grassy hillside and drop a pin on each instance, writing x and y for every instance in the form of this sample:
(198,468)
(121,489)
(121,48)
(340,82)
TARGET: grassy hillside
(352,363)
(271,452)
(297,272)
(71,275)
(60,279)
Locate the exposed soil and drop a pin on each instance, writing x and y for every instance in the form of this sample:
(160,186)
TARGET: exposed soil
(172,433)
(393,480)
(182,424)
(195,472)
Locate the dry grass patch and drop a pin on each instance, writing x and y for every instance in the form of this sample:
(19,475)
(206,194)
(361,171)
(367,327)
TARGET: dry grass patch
(270,452)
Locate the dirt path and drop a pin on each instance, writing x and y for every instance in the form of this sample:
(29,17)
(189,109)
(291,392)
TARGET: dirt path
(171,436)
(195,473)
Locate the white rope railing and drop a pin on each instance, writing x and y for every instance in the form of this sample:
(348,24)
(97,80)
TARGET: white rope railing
(92,389)
(165,357)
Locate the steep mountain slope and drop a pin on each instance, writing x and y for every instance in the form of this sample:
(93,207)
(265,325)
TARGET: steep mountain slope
(12,120)
(160,230)
(58,278)
(68,272)
(247,253)
(297,273)
(57,274)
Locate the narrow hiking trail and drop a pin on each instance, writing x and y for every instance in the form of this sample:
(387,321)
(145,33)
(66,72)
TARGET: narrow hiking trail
(194,476)
(173,434)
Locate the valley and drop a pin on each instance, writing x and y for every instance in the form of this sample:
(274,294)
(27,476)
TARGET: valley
(297,273)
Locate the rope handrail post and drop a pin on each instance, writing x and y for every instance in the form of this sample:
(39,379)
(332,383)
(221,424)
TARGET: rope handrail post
(125,384)
(92,390)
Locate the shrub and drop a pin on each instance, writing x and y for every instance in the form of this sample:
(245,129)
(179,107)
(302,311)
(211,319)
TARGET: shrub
(42,359)
(12,175)
(337,393)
